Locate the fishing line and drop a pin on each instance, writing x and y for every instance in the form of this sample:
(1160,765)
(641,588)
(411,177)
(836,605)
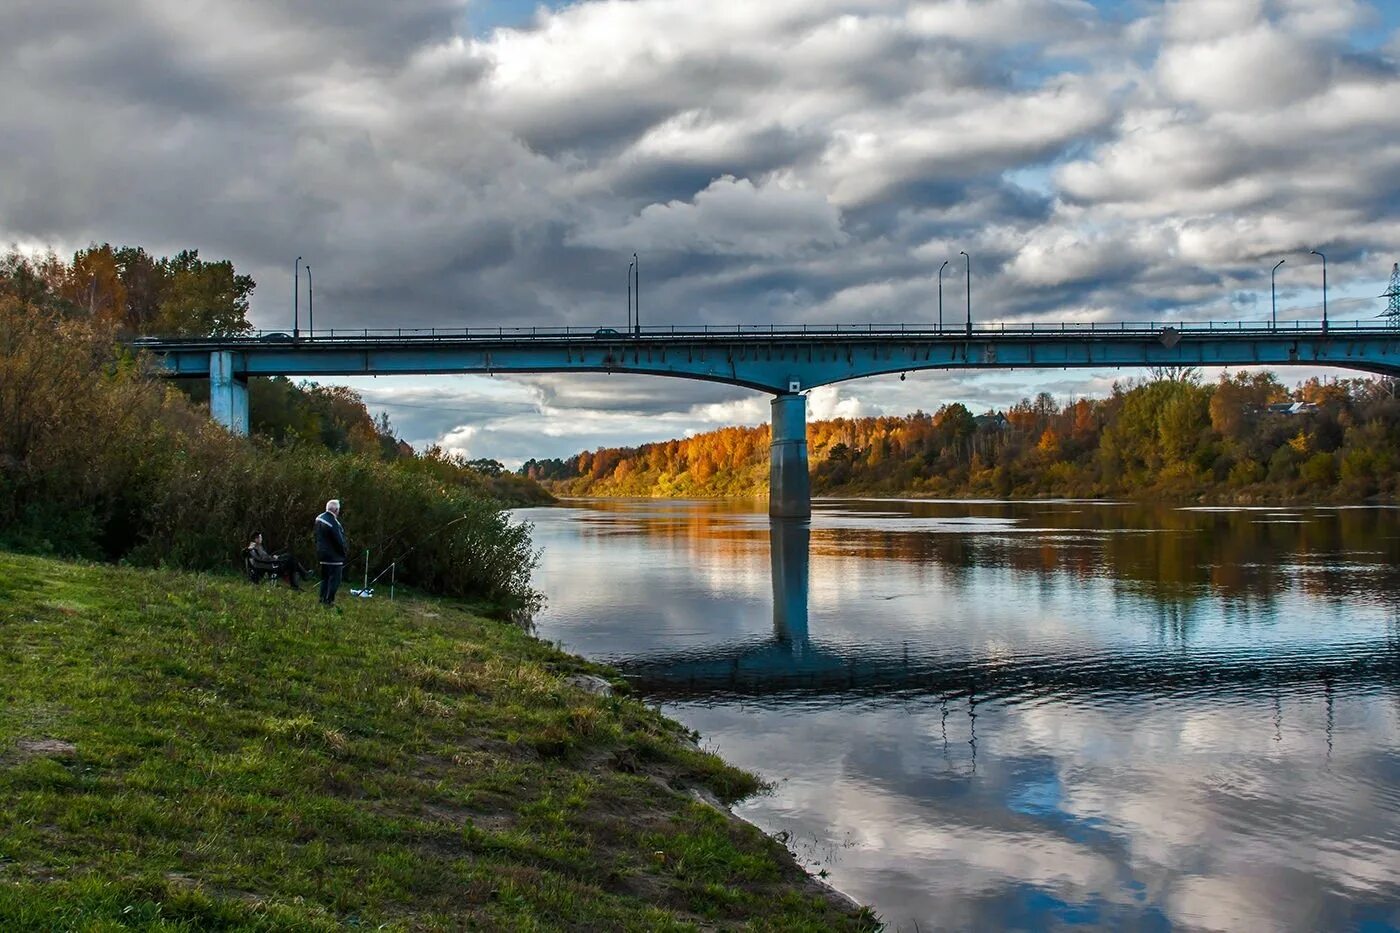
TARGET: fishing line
(421,542)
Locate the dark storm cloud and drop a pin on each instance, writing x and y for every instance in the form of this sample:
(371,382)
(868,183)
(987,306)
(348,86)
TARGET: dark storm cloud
(788,161)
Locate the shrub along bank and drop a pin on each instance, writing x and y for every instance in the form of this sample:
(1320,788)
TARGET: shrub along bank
(99,459)
(191,752)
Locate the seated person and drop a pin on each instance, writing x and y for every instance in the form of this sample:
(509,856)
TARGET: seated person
(261,561)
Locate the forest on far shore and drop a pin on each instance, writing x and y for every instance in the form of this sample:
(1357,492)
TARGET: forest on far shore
(1244,438)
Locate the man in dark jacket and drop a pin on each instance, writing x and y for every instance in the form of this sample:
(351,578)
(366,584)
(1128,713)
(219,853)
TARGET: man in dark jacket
(331,550)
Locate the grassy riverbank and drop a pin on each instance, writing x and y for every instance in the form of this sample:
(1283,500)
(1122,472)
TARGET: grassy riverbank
(193,752)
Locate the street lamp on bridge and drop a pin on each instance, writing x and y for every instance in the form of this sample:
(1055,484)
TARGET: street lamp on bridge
(969,290)
(1273,296)
(637,296)
(1324,288)
(940,293)
(296,296)
(629,292)
(310,304)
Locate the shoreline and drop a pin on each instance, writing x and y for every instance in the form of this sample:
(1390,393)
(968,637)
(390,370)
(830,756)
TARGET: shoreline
(1144,498)
(196,747)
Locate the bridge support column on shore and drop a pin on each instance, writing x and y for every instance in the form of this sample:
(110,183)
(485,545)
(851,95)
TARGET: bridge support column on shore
(228,394)
(789,487)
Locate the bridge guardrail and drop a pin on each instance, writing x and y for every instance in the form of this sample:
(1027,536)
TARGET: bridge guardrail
(265,338)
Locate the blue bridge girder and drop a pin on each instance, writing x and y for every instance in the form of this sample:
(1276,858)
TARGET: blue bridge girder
(785,361)
(774,359)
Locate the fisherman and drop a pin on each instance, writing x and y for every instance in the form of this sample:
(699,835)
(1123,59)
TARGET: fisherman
(282,565)
(331,550)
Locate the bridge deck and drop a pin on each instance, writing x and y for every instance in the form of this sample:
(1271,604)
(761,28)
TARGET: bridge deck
(778,359)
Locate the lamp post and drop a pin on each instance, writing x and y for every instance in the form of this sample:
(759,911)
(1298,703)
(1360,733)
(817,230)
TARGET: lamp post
(296,296)
(310,304)
(637,295)
(940,294)
(629,294)
(1273,296)
(1324,288)
(969,290)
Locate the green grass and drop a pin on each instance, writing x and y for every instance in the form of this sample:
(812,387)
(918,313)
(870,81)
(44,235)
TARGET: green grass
(238,759)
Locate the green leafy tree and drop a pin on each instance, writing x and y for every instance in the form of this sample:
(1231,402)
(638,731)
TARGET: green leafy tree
(202,298)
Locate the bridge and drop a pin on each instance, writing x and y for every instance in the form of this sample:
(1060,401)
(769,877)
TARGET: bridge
(783,360)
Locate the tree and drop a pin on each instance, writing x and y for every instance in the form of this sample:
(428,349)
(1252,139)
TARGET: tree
(1227,408)
(1191,374)
(34,283)
(145,279)
(1084,423)
(203,298)
(487,467)
(1181,420)
(1323,394)
(94,285)
(953,423)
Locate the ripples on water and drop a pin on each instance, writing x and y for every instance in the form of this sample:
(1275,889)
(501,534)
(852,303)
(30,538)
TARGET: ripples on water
(1028,715)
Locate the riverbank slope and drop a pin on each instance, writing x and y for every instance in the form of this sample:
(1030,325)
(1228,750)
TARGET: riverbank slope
(191,751)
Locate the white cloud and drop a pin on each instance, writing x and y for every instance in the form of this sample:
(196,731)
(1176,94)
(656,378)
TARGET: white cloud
(792,161)
(732,217)
(459,440)
(825,402)
(1263,67)
(1195,20)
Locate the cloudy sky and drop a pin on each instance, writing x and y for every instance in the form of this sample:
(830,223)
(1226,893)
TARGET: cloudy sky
(478,162)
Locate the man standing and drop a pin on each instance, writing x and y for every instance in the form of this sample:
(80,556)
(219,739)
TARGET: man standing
(331,550)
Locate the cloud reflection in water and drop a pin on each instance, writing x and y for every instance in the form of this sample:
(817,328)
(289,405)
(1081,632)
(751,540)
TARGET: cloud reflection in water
(1005,715)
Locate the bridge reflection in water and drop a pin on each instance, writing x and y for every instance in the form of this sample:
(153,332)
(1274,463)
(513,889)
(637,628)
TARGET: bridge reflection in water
(793,662)
(990,715)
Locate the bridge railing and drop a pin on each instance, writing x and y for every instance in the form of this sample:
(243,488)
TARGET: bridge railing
(1009,328)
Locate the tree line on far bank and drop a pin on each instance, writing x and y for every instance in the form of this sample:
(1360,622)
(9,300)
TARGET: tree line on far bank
(99,458)
(1245,438)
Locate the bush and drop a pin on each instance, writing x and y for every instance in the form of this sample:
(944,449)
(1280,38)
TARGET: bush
(99,459)
(1246,473)
(1283,465)
(1319,470)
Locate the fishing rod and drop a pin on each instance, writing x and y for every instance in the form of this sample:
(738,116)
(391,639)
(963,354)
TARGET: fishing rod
(395,562)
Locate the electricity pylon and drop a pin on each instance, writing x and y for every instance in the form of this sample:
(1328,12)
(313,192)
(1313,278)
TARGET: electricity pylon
(1392,306)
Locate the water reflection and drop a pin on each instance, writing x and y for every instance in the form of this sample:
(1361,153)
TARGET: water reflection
(792,663)
(1003,715)
(789,556)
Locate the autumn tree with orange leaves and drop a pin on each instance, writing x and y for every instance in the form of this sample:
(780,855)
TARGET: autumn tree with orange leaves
(1167,437)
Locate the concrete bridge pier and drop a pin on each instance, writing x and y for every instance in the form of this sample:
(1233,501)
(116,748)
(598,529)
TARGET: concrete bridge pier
(789,486)
(228,394)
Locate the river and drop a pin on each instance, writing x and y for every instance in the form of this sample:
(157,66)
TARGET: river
(1029,715)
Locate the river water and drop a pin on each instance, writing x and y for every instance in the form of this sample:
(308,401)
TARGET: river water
(988,715)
